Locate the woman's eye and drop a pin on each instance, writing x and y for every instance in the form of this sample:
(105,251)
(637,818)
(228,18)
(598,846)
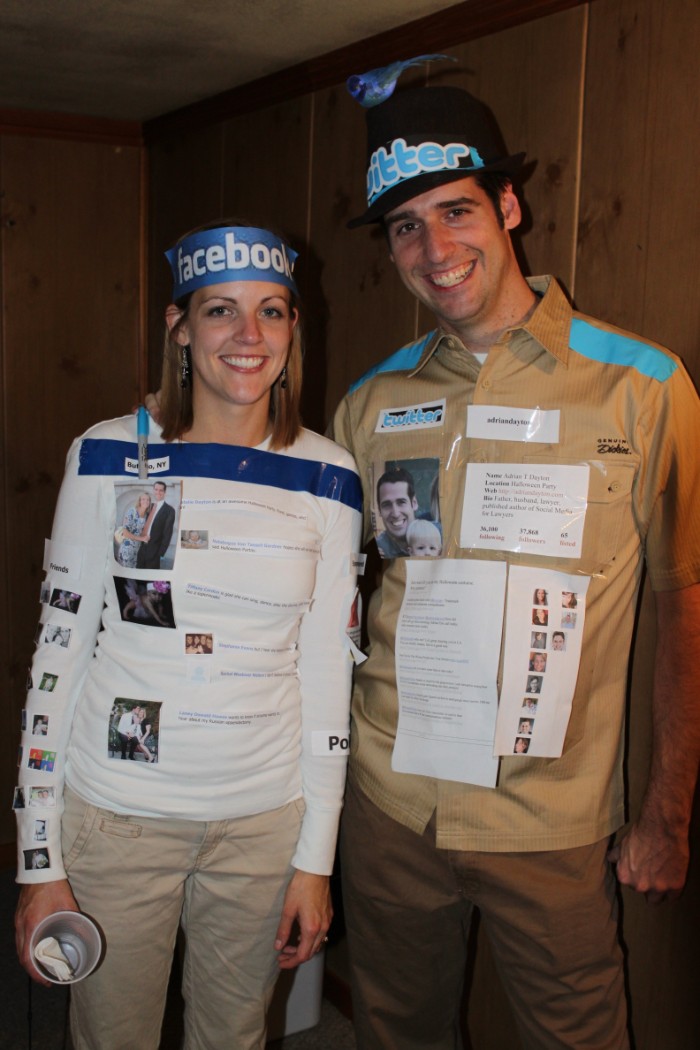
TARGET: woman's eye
(272,312)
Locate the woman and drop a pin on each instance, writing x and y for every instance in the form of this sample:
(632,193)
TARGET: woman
(129,535)
(231,832)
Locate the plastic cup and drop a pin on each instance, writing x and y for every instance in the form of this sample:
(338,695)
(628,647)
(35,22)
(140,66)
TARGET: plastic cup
(80,941)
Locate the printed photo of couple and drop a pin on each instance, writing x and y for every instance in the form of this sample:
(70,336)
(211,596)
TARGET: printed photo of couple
(406,508)
(134,730)
(148,602)
(145,530)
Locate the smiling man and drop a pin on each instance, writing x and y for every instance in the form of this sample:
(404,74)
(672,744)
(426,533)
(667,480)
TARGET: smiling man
(420,852)
(396,499)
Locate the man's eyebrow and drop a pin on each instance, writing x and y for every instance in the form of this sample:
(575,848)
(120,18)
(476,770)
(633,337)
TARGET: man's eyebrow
(401,216)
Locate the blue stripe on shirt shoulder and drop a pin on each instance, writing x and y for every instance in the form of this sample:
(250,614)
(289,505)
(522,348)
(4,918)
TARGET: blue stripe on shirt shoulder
(106,457)
(402,361)
(613,348)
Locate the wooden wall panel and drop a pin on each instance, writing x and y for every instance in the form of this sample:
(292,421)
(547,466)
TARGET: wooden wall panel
(185,183)
(361,308)
(637,267)
(531,76)
(71,214)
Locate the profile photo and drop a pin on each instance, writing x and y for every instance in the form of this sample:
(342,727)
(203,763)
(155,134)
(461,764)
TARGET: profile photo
(534,684)
(558,641)
(133,733)
(194,540)
(36,859)
(522,745)
(540,617)
(57,635)
(146,602)
(42,796)
(48,682)
(538,640)
(404,492)
(69,601)
(525,727)
(538,662)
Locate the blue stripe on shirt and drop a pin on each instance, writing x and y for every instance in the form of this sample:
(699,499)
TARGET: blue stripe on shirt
(404,360)
(612,348)
(228,463)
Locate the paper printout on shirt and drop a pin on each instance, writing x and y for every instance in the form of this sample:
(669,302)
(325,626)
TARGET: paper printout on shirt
(270,548)
(241,505)
(532,508)
(64,558)
(200,590)
(447,650)
(513,424)
(544,629)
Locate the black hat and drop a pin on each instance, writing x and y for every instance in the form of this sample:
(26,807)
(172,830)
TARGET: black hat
(423,137)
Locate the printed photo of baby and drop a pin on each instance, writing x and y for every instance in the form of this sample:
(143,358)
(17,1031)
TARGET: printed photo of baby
(423,539)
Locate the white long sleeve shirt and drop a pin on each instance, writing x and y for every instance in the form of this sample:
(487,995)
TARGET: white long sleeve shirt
(258,722)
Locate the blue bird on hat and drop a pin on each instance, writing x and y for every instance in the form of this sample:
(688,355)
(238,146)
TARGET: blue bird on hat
(369,89)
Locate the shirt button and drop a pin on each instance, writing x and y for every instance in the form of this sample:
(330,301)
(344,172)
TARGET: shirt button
(485,384)
(615,486)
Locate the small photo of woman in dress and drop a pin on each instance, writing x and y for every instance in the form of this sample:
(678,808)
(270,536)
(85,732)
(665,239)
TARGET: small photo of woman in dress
(129,534)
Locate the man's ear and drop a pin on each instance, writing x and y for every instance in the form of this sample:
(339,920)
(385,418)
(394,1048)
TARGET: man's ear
(173,314)
(510,205)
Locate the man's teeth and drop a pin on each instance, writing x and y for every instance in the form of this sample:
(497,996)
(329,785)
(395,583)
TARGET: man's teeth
(244,362)
(447,280)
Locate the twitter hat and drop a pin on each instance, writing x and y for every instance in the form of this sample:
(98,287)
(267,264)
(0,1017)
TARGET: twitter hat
(423,137)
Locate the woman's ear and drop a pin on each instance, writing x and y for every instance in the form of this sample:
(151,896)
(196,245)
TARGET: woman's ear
(173,315)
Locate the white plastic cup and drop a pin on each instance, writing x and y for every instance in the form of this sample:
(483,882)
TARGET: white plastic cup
(80,941)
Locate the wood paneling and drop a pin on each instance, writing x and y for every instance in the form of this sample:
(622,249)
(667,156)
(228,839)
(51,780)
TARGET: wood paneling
(637,267)
(360,308)
(186,179)
(71,287)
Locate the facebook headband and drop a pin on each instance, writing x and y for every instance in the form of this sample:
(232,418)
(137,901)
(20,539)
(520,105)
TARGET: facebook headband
(230,253)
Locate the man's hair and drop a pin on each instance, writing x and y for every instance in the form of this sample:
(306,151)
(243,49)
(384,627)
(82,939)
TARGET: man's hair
(558,634)
(394,476)
(494,184)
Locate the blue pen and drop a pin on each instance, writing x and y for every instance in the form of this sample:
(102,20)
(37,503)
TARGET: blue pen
(142,433)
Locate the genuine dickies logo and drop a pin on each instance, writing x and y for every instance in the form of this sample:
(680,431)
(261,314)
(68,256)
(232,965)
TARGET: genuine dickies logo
(613,446)
(411,417)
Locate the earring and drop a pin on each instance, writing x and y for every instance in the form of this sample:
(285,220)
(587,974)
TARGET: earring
(283,378)
(185,366)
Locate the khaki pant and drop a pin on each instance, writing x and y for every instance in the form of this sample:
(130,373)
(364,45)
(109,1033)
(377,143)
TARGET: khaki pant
(140,878)
(550,918)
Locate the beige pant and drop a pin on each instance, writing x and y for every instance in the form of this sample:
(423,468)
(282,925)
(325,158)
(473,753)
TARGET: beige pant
(140,878)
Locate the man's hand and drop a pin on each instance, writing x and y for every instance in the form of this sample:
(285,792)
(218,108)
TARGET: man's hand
(308,902)
(36,902)
(652,861)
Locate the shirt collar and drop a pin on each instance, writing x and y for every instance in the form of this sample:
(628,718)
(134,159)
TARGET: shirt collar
(549,325)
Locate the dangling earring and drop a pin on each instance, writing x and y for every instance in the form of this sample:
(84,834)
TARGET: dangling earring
(185,366)
(283,378)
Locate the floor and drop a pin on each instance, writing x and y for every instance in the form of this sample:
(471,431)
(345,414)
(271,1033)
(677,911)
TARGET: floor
(46,1028)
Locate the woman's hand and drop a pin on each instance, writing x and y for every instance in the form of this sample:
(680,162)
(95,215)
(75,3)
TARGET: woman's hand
(152,403)
(35,903)
(308,901)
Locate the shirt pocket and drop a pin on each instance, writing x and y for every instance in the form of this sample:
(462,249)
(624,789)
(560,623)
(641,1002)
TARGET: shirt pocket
(609,518)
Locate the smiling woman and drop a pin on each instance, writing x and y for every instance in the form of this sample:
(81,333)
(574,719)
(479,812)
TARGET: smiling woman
(241,337)
(222,816)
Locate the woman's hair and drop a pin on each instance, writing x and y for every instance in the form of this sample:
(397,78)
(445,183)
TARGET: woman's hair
(176,401)
(140,497)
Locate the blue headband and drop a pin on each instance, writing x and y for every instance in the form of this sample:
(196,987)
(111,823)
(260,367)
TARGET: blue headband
(230,253)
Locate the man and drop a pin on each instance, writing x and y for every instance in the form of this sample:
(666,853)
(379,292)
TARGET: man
(418,852)
(158,529)
(396,499)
